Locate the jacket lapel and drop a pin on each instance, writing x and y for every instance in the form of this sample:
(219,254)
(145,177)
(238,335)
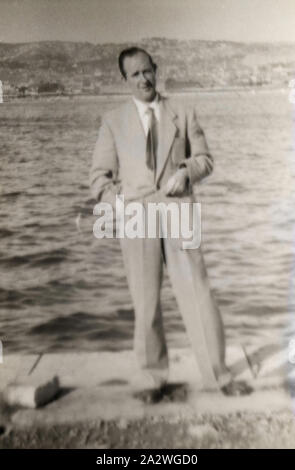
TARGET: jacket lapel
(167,131)
(137,138)
(134,129)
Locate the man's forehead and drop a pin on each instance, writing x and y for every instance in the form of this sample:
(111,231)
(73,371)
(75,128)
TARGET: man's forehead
(140,59)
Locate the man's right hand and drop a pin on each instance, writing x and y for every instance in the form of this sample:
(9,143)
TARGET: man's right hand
(108,218)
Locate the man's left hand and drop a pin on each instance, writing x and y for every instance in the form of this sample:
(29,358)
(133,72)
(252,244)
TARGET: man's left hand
(177,184)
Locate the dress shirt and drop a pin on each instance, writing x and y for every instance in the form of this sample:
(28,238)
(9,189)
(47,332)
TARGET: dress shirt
(142,109)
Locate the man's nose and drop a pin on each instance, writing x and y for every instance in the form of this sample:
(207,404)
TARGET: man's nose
(142,77)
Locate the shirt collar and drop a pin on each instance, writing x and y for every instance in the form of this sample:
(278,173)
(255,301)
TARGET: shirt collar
(143,106)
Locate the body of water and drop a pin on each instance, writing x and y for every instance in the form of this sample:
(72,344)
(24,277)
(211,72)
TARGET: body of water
(64,290)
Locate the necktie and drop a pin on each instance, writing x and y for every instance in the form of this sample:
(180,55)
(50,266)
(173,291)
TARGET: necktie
(152,141)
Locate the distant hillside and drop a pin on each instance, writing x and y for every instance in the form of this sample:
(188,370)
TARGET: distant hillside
(93,68)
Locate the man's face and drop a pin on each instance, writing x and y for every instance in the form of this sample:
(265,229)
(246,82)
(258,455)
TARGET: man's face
(140,77)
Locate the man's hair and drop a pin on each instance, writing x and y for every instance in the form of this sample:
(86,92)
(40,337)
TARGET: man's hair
(130,52)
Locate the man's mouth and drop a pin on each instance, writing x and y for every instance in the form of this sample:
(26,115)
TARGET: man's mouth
(146,87)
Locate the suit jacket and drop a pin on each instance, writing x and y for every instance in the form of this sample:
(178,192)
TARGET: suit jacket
(119,164)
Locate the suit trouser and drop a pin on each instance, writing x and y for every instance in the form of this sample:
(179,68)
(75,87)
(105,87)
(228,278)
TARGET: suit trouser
(144,259)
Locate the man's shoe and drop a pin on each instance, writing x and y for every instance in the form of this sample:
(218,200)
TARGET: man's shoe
(236,388)
(150,396)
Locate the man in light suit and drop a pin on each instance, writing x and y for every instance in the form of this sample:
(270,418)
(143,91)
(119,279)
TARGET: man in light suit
(152,149)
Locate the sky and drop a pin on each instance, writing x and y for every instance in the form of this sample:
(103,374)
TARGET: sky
(100,21)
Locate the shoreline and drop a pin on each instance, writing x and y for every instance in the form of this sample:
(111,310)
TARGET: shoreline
(231,431)
(114,95)
(97,406)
